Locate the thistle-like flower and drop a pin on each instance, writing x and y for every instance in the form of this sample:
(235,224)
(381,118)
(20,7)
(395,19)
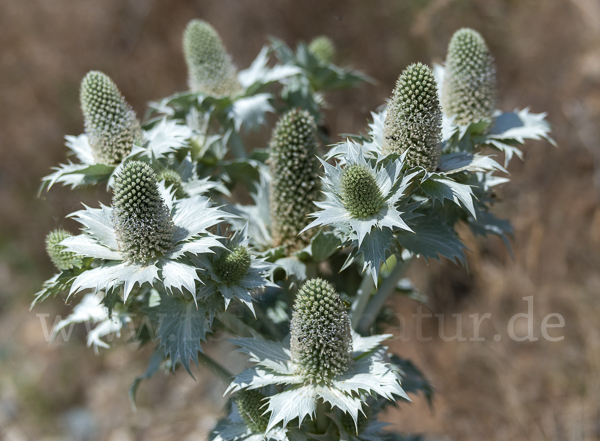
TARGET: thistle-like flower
(61,259)
(360,201)
(414,120)
(110,123)
(173,180)
(321,340)
(210,69)
(233,271)
(294,172)
(249,403)
(469,92)
(141,218)
(323,49)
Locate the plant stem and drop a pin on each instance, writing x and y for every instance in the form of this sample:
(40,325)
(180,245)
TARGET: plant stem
(362,298)
(322,419)
(215,367)
(387,287)
(238,327)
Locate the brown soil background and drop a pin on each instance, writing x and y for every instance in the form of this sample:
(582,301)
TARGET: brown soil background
(548,58)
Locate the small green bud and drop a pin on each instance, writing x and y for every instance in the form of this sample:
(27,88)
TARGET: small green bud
(172,179)
(360,193)
(469,92)
(249,403)
(295,181)
(110,123)
(323,49)
(321,341)
(142,220)
(61,259)
(414,118)
(232,266)
(210,69)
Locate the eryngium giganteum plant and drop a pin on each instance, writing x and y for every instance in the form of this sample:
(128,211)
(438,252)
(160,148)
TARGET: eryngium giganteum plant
(295,182)
(469,90)
(321,339)
(323,48)
(110,123)
(210,69)
(414,118)
(177,256)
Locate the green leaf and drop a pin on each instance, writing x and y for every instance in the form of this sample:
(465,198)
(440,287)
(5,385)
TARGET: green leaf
(413,380)
(323,245)
(374,247)
(182,326)
(153,366)
(441,188)
(292,267)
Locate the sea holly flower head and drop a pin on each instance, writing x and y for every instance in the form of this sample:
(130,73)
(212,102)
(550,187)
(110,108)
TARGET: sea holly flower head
(233,271)
(249,404)
(360,203)
(172,179)
(321,339)
(210,69)
(469,90)
(61,259)
(323,49)
(414,120)
(110,123)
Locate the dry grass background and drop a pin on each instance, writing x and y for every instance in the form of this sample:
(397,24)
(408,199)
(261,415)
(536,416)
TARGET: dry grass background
(548,57)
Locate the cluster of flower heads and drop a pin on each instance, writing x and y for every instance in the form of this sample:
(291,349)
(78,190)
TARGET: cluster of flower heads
(110,123)
(210,68)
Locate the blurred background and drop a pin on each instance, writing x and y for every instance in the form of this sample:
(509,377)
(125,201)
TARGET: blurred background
(548,58)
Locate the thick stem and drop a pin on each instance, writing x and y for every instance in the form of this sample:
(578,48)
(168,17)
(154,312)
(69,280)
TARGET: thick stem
(387,287)
(215,367)
(362,298)
(322,419)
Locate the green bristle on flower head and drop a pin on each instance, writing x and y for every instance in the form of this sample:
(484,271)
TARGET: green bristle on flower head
(321,340)
(142,220)
(249,403)
(110,123)
(295,181)
(172,179)
(414,118)
(360,193)
(323,49)
(210,69)
(60,258)
(232,266)
(469,92)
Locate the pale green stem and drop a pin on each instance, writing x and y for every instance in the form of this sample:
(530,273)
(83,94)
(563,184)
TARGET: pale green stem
(322,419)
(215,367)
(387,287)
(362,298)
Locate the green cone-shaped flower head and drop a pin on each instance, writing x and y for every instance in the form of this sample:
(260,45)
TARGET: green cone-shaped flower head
(142,220)
(414,118)
(110,123)
(295,181)
(60,258)
(232,266)
(360,193)
(210,69)
(321,341)
(469,92)
(323,48)
(249,403)
(172,179)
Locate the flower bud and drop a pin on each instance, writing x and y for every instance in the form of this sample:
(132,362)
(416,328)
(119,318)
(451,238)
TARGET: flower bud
(110,123)
(233,265)
(210,69)
(142,221)
(172,179)
(321,339)
(323,49)
(414,118)
(469,92)
(360,193)
(60,258)
(295,181)
(249,403)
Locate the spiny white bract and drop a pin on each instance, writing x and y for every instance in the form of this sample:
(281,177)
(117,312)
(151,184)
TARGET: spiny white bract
(60,258)
(295,181)
(210,69)
(321,341)
(142,221)
(249,403)
(469,92)
(414,118)
(110,123)
(360,193)
(323,49)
